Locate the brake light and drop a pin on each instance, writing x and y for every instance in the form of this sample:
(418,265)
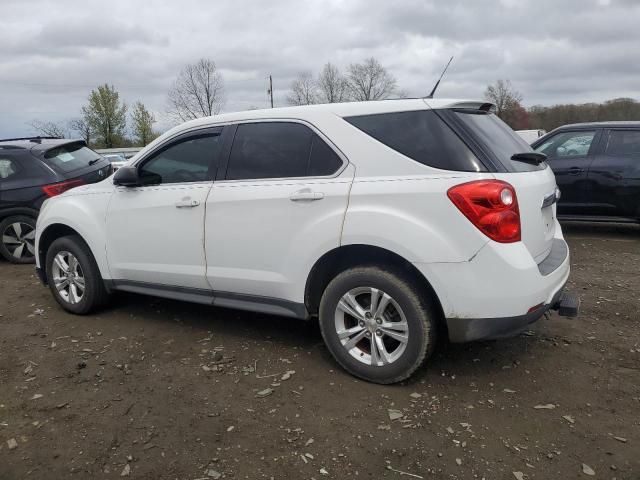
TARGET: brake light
(57,188)
(492,206)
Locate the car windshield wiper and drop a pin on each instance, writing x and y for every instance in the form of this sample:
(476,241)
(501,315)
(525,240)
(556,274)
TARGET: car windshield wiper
(92,162)
(534,158)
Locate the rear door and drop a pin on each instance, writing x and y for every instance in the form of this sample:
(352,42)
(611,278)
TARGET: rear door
(570,153)
(278,205)
(615,174)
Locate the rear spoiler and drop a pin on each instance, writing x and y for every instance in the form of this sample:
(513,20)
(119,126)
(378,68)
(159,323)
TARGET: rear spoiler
(465,105)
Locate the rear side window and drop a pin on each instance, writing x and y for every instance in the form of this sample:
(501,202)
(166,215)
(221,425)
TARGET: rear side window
(279,150)
(8,168)
(567,144)
(422,136)
(623,142)
(497,138)
(70,157)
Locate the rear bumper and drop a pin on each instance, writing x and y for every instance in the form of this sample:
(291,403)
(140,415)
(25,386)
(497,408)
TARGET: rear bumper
(469,329)
(500,290)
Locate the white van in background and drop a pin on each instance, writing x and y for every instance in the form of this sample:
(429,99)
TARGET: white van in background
(531,136)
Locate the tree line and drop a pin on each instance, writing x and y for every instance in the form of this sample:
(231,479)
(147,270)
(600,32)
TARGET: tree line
(508,102)
(199,91)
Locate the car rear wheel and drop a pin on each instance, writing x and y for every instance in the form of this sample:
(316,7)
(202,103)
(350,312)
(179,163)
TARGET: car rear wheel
(18,239)
(73,276)
(378,325)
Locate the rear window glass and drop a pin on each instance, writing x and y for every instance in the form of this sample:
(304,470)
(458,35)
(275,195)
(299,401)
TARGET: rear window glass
(496,137)
(422,136)
(70,157)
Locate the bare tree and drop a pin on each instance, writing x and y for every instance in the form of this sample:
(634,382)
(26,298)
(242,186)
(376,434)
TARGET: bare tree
(332,85)
(142,124)
(197,92)
(503,96)
(370,81)
(81,127)
(48,129)
(303,90)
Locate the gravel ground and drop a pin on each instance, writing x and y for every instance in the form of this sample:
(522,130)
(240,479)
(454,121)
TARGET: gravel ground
(160,389)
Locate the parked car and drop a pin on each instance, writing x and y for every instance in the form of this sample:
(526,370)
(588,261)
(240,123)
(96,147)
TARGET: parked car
(531,136)
(117,160)
(597,167)
(32,170)
(389,221)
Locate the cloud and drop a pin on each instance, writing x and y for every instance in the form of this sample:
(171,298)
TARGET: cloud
(570,51)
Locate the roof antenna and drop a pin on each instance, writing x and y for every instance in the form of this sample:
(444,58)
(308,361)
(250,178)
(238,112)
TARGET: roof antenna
(435,87)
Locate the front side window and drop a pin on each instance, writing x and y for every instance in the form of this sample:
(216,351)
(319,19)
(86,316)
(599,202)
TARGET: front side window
(8,168)
(422,136)
(279,150)
(623,142)
(567,144)
(187,160)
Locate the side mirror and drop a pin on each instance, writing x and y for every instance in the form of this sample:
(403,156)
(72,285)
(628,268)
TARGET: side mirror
(126,177)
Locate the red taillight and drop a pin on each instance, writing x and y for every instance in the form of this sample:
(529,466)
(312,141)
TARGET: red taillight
(58,188)
(492,206)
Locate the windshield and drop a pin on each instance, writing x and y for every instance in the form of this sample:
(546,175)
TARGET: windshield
(70,157)
(497,138)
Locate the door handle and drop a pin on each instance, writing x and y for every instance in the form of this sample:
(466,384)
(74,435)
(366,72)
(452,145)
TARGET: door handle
(575,171)
(187,203)
(306,195)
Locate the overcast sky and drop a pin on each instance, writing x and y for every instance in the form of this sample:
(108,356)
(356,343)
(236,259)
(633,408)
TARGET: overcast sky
(52,53)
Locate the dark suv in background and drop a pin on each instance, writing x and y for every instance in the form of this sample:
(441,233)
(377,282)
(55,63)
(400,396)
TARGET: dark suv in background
(597,167)
(32,170)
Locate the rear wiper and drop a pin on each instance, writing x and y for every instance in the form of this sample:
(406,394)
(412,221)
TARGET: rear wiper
(533,158)
(92,162)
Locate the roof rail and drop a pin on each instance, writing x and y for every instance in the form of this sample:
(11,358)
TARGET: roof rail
(37,139)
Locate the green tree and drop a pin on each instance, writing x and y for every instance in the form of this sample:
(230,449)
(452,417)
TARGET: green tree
(142,124)
(106,115)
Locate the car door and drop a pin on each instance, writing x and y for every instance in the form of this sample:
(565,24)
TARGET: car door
(570,154)
(155,233)
(278,206)
(615,174)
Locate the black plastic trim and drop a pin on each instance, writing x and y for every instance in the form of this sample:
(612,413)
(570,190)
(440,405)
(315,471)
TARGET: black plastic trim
(31,212)
(252,303)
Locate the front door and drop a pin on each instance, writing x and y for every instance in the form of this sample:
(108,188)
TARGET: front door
(155,233)
(570,154)
(279,207)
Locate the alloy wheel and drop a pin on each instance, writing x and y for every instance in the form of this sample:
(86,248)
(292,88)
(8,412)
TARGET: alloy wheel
(19,238)
(68,277)
(371,326)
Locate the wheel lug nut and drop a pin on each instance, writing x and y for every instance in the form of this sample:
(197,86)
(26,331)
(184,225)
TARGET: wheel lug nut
(361,323)
(368,334)
(379,333)
(368,315)
(378,321)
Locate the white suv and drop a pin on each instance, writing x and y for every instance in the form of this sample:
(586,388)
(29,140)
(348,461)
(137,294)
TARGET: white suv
(390,221)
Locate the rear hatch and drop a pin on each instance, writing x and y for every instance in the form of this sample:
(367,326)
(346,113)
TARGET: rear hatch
(535,185)
(75,161)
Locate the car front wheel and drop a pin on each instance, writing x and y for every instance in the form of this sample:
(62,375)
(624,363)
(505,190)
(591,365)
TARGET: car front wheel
(378,324)
(73,276)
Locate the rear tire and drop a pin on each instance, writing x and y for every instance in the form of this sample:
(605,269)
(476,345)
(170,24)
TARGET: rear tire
(384,343)
(73,276)
(17,238)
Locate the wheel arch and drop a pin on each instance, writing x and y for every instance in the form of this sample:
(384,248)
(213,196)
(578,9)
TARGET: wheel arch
(348,256)
(48,236)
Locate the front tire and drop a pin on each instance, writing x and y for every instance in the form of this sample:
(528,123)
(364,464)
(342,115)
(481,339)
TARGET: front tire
(73,276)
(378,325)
(17,238)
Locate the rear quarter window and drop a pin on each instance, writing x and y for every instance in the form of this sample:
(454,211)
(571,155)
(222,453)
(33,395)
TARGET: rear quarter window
(422,136)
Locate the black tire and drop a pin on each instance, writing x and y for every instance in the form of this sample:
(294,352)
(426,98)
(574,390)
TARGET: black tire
(414,302)
(95,294)
(25,248)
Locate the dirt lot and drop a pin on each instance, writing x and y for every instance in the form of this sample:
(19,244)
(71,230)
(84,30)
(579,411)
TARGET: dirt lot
(159,389)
